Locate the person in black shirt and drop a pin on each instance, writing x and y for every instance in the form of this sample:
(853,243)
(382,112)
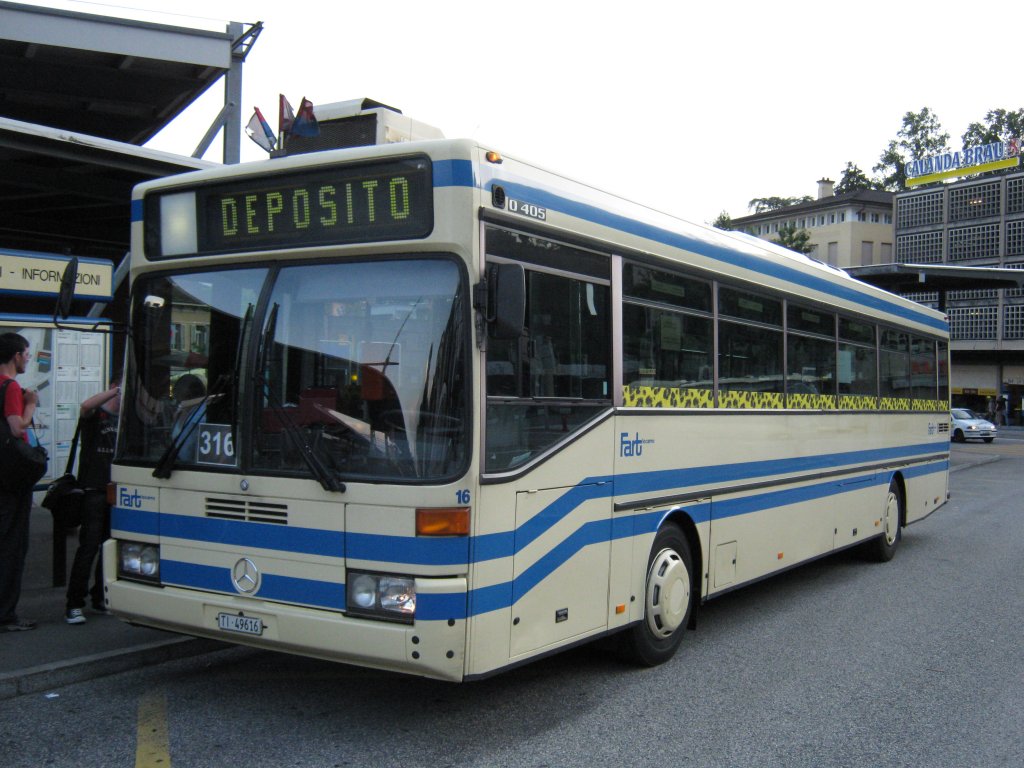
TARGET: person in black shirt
(98,416)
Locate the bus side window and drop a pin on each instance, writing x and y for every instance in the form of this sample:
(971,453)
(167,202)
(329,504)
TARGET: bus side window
(569,328)
(504,367)
(556,377)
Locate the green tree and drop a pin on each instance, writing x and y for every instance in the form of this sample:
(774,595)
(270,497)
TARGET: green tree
(999,125)
(920,136)
(724,221)
(795,239)
(765,204)
(853,180)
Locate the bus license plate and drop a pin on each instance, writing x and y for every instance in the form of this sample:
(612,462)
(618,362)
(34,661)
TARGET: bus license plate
(247,625)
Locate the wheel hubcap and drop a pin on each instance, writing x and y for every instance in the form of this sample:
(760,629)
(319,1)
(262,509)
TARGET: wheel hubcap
(892,518)
(668,593)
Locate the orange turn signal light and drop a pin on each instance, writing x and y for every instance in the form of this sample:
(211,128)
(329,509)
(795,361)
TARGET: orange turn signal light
(494,157)
(442,521)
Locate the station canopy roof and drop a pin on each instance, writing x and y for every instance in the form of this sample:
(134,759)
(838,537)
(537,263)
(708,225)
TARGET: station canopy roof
(910,278)
(79,94)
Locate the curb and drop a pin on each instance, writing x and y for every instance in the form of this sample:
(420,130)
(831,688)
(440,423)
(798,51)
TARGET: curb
(978,463)
(61,673)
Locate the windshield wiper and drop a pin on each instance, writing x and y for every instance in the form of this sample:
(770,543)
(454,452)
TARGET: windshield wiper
(323,475)
(268,338)
(236,373)
(165,464)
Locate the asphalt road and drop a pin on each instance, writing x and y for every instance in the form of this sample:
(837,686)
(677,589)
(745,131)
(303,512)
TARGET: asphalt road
(918,662)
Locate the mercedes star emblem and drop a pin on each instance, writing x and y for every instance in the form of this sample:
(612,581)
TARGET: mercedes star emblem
(246,576)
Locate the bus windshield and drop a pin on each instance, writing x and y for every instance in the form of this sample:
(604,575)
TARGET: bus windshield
(345,370)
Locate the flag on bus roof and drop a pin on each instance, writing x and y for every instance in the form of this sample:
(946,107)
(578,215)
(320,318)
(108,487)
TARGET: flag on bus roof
(285,115)
(259,131)
(305,123)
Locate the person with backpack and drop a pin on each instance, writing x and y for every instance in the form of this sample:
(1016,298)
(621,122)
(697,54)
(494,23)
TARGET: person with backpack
(19,406)
(98,423)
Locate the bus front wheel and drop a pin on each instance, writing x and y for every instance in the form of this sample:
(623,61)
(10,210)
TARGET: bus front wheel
(668,600)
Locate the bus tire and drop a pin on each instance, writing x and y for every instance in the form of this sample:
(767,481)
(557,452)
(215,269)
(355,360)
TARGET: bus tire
(668,601)
(883,548)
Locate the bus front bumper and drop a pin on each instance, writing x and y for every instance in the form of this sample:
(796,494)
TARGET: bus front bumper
(428,648)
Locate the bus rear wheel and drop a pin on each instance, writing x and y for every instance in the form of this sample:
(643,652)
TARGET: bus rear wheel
(668,601)
(883,548)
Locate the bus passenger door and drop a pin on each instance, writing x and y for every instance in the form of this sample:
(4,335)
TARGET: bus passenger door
(560,566)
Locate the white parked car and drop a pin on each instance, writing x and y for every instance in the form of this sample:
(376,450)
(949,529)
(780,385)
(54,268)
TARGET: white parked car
(967,425)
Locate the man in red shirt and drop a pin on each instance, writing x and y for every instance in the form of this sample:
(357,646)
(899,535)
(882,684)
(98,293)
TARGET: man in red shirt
(19,406)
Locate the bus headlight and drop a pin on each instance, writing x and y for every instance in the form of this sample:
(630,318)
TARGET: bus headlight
(138,560)
(382,596)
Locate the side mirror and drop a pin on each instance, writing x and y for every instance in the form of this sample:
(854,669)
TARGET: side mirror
(506,300)
(67,289)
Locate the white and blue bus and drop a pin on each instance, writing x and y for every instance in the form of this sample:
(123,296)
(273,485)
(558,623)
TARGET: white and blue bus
(421,407)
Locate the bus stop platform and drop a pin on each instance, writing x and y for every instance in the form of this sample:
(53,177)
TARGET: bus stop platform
(55,653)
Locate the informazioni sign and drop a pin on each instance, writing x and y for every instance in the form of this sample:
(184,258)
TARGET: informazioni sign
(26,272)
(988,157)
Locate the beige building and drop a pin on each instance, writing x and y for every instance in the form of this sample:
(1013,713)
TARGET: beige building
(849,230)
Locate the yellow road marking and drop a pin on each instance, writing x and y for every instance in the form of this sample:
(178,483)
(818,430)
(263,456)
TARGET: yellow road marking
(152,748)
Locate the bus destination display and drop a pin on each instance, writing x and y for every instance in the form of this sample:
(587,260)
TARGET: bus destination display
(342,204)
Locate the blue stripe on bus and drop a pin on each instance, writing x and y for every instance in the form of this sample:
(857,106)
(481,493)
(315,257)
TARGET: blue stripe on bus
(454,173)
(561,508)
(289,589)
(681,480)
(497,596)
(414,550)
(760,264)
(456,605)
(592,532)
(441,606)
(500,596)
(628,484)
(461,551)
(135,521)
(447,173)
(323,594)
(195,575)
(461,173)
(294,540)
(492,598)
(493,546)
(771,499)
(307,541)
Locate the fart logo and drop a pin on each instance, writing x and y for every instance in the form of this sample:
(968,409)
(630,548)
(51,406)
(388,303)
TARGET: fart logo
(630,447)
(133,498)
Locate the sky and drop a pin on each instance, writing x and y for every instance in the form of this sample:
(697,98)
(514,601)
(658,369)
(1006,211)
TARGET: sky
(688,108)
